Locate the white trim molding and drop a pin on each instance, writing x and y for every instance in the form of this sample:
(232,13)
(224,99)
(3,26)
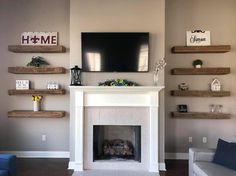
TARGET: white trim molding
(162,166)
(39,154)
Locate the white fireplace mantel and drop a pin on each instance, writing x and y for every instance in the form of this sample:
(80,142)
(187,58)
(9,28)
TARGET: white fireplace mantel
(105,96)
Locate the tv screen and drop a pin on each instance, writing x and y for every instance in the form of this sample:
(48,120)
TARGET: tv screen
(115,51)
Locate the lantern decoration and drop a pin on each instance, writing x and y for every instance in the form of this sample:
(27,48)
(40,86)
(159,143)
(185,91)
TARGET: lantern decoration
(75,76)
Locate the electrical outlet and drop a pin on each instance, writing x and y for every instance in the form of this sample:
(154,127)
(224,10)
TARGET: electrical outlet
(204,140)
(190,139)
(44,137)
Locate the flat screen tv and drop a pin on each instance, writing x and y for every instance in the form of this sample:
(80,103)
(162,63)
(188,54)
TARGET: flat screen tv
(115,51)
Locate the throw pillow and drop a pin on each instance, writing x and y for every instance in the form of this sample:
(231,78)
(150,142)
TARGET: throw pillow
(225,154)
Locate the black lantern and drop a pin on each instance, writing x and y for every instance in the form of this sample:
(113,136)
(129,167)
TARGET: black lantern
(75,76)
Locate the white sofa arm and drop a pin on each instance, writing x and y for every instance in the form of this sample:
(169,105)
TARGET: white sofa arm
(196,154)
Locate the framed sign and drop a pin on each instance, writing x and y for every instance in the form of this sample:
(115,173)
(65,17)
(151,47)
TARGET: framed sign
(22,84)
(198,38)
(39,38)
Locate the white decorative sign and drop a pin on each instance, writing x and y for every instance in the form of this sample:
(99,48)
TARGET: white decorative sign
(22,84)
(198,38)
(52,85)
(39,38)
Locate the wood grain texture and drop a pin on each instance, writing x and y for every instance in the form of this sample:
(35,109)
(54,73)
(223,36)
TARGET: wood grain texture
(37,114)
(201,49)
(200,93)
(201,71)
(37,92)
(200,115)
(38,70)
(36,49)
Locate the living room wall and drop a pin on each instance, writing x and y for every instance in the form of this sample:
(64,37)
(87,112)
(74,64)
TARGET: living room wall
(219,17)
(24,134)
(120,16)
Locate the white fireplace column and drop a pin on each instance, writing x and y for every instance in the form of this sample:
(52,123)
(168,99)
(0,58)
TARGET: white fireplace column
(101,96)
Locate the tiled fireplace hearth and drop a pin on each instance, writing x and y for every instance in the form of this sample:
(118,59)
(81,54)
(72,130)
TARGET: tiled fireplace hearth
(114,128)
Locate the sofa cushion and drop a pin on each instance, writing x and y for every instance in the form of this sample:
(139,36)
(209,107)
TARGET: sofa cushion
(225,154)
(210,169)
(3,173)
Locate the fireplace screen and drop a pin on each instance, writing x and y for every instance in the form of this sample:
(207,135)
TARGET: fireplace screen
(116,142)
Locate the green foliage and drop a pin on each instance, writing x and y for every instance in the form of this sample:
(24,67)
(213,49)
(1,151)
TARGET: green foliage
(37,62)
(197,62)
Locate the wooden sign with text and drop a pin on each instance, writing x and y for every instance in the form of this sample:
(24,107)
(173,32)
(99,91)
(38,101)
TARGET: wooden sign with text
(39,38)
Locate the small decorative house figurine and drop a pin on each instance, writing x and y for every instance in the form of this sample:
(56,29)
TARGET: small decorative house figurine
(215,85)
(75,76)
(197,63)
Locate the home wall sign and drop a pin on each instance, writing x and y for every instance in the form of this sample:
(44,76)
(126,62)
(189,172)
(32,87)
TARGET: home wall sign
(39,38)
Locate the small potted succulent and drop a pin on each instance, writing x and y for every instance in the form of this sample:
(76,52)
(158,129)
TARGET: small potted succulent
(197,63)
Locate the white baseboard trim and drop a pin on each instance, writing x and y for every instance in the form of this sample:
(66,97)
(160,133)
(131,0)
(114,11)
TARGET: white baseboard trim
(179,156)
(39,154)
(162,166)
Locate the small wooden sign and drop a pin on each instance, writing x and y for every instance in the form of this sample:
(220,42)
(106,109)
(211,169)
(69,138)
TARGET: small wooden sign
(39,38)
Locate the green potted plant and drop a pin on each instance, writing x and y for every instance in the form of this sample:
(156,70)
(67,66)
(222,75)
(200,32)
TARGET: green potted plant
(37,62)
(197,63)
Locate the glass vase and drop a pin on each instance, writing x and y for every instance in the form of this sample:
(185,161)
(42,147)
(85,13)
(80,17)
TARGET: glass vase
(155,79)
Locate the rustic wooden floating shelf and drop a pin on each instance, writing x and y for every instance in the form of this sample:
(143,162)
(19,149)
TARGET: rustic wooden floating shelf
(37,91)
(200,115)
(34,70)
(201,49)
(37,114)
(201,71)
(36,49)
(200,93)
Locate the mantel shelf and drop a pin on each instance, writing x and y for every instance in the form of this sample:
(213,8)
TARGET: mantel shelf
(37,91)
(200,93)
(200,115)
(37,114)
(36,49)
(201,71)
(36,70)
(201,49)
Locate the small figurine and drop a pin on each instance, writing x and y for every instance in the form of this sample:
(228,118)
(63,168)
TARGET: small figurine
(215,85)
(183,86)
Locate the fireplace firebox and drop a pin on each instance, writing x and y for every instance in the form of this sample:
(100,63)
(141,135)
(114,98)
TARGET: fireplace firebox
(114,142)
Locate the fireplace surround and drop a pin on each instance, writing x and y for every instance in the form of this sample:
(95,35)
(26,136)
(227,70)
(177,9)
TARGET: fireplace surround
(139,106)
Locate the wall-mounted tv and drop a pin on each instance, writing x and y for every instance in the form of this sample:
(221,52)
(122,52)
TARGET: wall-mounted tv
(115,51)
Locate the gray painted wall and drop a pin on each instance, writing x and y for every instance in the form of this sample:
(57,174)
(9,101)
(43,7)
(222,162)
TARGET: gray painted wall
(25,134)
(218,16)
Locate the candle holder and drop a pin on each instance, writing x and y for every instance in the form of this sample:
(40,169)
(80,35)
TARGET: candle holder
(75,76)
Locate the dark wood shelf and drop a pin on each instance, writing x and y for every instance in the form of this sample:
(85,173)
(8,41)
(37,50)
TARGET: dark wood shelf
(201,49)
(201,71)
(200,115)
(200,93)
(37,91)
(32,114)
(36,70)
(36,49)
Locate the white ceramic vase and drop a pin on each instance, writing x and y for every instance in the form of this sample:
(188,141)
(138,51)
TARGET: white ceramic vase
(36,106)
